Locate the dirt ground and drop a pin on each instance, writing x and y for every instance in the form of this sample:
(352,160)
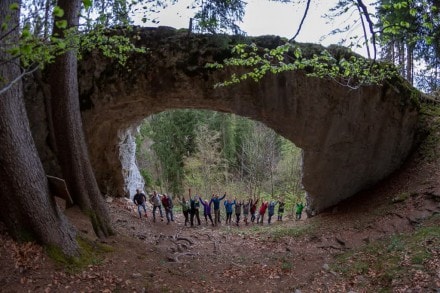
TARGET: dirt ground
(287,256)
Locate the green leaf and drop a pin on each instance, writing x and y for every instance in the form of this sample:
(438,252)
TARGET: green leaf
(61,24)
(58,11)
(14,6)
(87,4)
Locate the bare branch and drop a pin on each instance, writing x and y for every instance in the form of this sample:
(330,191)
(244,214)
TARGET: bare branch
(10,84)
(302,20)
(370,25)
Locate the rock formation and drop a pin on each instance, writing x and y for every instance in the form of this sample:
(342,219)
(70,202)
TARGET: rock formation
(351,139)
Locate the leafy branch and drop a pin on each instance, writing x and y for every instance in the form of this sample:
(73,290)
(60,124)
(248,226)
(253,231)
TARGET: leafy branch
(352,71)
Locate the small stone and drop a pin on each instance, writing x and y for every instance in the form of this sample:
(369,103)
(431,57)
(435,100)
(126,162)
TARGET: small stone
(136,275)
(326,267)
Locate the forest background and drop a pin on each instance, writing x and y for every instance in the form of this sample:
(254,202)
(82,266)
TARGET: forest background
(215,153)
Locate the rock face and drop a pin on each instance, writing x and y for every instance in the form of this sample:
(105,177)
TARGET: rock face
(127,155)
(351,139)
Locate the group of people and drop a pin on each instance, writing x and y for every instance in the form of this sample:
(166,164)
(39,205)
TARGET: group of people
(157,201)
(191,206)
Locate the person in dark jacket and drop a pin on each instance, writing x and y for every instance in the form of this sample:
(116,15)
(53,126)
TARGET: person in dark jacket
(271,210)
(238,208)
(246,208)
(194,209)
(185,209)
(139,200)
(281,205)
(253,209)
(215,200)
(167,205)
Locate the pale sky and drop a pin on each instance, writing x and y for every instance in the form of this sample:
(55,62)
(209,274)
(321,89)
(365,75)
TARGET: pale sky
(264,17)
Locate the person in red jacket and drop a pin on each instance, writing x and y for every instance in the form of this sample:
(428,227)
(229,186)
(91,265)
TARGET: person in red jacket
(261,212)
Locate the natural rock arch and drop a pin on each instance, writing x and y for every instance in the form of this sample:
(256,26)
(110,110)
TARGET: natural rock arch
(351,139)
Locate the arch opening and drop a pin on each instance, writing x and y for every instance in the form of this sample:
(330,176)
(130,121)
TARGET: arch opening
(213,153)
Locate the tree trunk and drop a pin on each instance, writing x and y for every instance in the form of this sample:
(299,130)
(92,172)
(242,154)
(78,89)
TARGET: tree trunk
(70,139)
(26,208)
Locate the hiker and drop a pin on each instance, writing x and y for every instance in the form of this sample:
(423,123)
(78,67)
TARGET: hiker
(253,209)
(216,201)
(185,209)
(271,210)
(167,205)
(246,207)
(170,199)
(206,210)
(261,212)
(194,208)
(139,200)
(281,205)
(228,208)
(299,209)
(238,208)
(156,202)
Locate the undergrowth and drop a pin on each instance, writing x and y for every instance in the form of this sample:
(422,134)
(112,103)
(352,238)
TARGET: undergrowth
(386,263)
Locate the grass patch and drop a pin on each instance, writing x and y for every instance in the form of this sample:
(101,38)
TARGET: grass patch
(91,253)
(275,232)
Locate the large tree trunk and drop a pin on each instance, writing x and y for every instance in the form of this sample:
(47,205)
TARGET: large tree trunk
(26,208)
(70,140)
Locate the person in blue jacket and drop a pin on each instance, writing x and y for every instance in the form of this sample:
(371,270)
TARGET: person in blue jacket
(215,200)
(271,210)
(228,207)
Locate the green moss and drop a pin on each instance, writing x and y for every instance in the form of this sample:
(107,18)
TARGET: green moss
(401,197)
(90,254)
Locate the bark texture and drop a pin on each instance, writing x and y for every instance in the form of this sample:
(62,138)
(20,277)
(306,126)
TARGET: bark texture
(72,150)
(26,208)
